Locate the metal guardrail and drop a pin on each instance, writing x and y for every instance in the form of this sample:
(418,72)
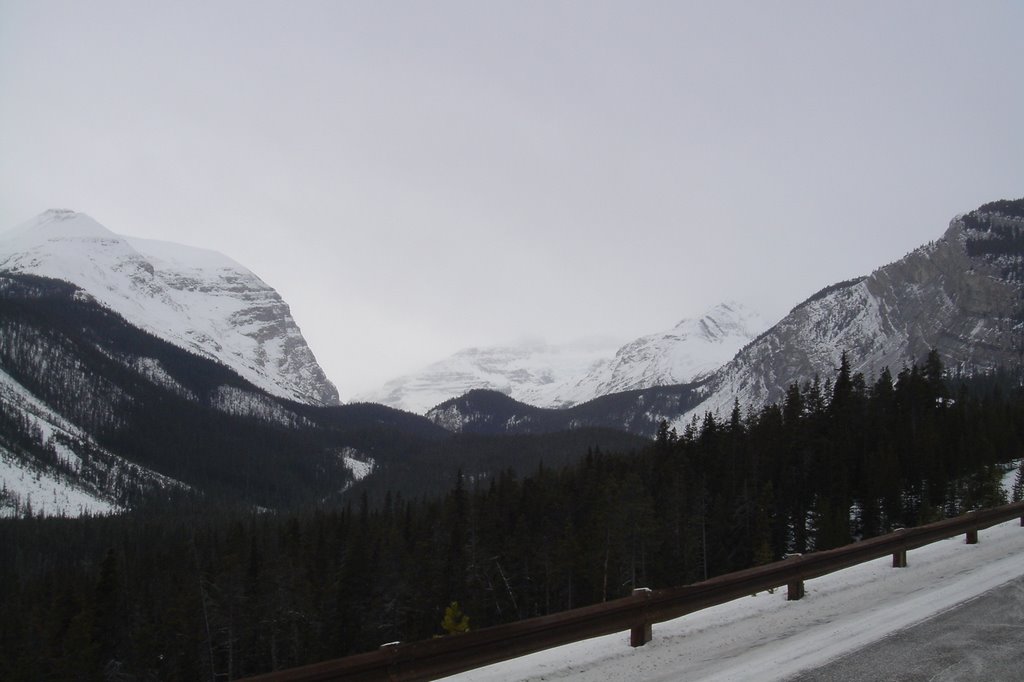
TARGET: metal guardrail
(433,658)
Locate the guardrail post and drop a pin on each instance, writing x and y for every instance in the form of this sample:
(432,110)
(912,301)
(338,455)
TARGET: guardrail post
(972,534)
(899,557)
(391,648)
(642,633)
(794,588)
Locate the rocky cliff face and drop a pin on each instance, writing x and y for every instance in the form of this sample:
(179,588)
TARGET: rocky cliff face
(962,295)
(197,299)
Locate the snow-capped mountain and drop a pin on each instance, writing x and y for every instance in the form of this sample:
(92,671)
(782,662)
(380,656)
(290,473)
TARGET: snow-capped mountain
(534,372)
(560,376)
(197,299)
(688,352)
(961,295)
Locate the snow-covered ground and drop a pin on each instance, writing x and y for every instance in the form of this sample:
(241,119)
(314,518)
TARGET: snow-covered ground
(765,637)
(44,493)
(359,464)
(42,488)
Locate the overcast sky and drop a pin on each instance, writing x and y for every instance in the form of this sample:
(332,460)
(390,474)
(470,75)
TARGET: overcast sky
(419,177)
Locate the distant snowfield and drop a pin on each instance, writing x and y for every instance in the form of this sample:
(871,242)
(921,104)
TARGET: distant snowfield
(563,375)
(765,637)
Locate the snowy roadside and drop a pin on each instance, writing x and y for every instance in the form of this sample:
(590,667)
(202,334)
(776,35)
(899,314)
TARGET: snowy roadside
(765,637)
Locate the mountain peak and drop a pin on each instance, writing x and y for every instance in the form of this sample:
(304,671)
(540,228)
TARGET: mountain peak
(57,214)
(67,219)
(722,321)
(196,299)
(54,224)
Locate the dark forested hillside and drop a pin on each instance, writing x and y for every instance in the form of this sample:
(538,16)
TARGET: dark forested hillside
(219,595)
(480,458)
(164,408)
(490,412)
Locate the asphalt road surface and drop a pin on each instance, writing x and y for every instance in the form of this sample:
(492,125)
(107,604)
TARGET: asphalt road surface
(982,639)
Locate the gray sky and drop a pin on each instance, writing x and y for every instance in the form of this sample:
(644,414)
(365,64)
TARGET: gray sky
(418,177)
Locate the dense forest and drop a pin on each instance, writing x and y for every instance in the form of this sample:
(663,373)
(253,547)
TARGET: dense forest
(215,593)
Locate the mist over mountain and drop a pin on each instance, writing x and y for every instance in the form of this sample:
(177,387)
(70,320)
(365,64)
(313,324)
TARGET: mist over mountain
(687,353)
(534,372)
(560,376)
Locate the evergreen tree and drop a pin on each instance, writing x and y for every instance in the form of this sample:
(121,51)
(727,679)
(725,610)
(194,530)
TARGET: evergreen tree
(106,612)
(455,622)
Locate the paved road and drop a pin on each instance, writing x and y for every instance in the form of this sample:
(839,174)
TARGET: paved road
(982,639)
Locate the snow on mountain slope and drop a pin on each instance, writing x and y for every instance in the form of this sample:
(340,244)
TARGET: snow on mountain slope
(29,491)
(561,376)
(688,352)
(197,299)
(54,468)
(534,373)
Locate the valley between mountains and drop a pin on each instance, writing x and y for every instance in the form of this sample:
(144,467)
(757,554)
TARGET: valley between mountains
(107,337)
